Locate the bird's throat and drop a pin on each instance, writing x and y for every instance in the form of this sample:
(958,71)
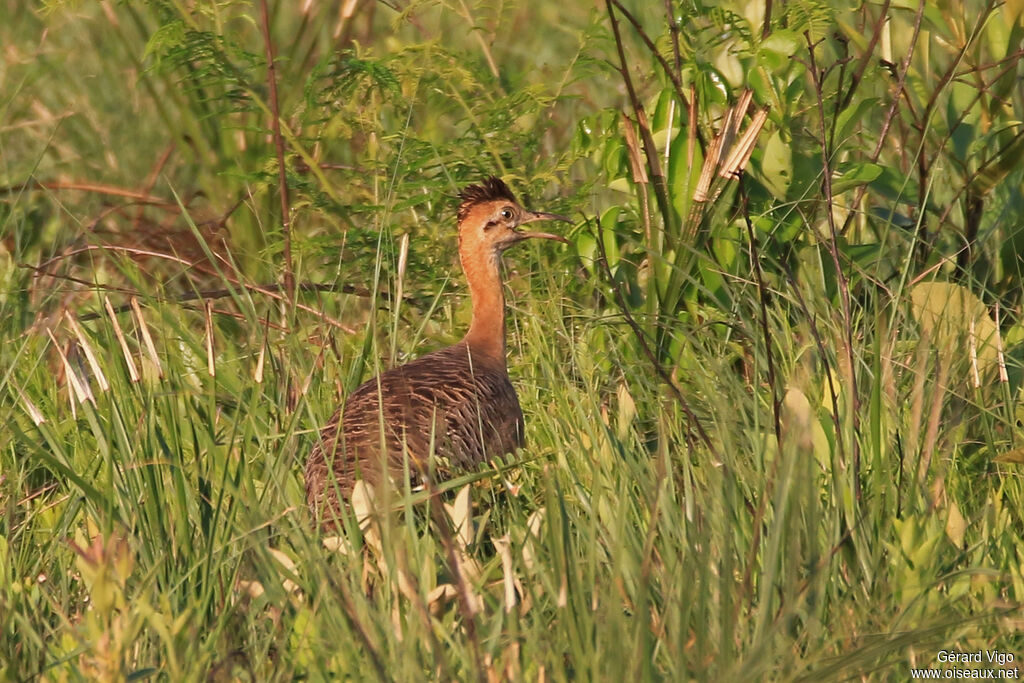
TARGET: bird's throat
(486,336)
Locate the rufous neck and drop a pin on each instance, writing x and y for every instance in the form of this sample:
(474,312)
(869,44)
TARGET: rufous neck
(486,336)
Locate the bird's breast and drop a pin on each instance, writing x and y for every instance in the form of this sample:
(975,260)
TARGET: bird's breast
(441,404)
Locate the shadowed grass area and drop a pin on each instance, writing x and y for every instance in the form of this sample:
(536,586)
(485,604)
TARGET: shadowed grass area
(743,463)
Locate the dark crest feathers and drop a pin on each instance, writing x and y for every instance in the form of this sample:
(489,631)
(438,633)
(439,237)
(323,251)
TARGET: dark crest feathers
(491,189)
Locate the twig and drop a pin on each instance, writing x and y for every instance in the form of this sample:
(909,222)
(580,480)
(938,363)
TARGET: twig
(923,168)
(270,290)
(111,247)
(39,270)
(673,29)
(650,149)
(484,47)
(983,168)
(208,294)
(1012,57)
(833,248)
(951,72)
(776,403)
(95,188)
(891,113)
(762,291)
(147,186)
(282,173)
(673,74)
(651,357)
(869,53)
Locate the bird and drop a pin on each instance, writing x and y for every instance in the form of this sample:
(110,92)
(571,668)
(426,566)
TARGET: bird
(457,403)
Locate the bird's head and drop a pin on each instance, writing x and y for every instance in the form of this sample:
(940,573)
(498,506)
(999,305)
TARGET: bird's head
(490,219)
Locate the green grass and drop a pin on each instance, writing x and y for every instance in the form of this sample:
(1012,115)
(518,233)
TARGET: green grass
(757,519)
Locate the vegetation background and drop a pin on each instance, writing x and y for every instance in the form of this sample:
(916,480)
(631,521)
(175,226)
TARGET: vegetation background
(774,421)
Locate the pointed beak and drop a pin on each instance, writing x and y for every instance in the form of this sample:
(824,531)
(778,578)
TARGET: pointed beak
(532,216)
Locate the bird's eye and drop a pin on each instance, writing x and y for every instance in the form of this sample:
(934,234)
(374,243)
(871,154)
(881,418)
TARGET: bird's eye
(506,213)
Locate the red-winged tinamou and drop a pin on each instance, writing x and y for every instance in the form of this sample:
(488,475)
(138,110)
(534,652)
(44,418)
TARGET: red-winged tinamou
(456,403)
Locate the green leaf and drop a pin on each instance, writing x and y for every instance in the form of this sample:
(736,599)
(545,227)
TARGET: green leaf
(871,258)
(956,525)
(683,175)
(586,246)
(851,117)
(777,165)
(609,221)
(1014,456)
(895,187)
(782,42)
(957,322)
(855,175)
(1008,159)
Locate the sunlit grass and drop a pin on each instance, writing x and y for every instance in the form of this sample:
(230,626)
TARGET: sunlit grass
(161,523)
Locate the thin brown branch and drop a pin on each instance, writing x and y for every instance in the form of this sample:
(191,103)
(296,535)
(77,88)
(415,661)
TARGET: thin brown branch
(95,188)
(650,149)
(147,186)
(891,113)
(645,347)
(282,172)
(93,225)
(270,290)
(924,167)
(673,30)
(833,249)
(111,247)
(205,294)
(39,270)
(673,74)
(762,291)
(1010,59)
(983,168)
(869,53)
(951,72)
